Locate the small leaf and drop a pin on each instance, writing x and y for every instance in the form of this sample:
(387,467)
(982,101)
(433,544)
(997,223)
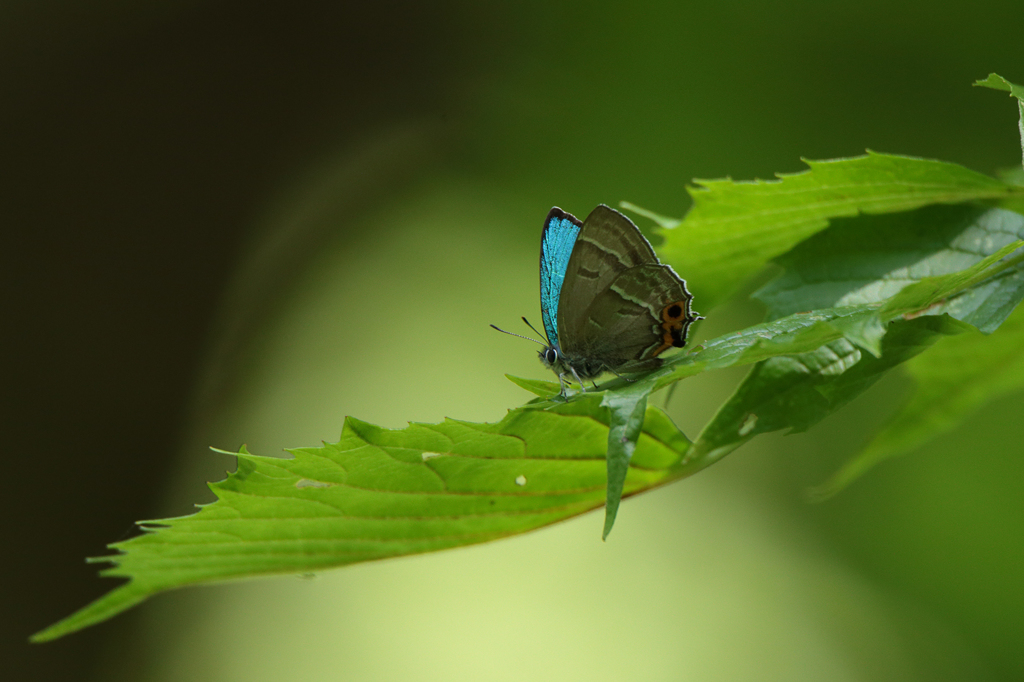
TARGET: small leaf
(544,389)
(997,82)
(734,228)
(627,409)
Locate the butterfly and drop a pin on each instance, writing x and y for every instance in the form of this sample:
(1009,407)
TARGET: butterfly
(608,304)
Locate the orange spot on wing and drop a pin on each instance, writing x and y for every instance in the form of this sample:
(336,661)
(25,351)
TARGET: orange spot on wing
(673,321)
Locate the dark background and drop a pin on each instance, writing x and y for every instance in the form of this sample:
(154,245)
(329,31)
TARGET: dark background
(139,144)
(136,142)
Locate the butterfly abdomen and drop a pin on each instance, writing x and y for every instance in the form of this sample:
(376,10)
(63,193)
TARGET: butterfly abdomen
(585,368)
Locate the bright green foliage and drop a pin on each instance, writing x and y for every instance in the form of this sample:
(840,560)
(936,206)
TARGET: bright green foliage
(941,260)
(795,392)
(872,258)
(381,493)
(855,300)
(734,228)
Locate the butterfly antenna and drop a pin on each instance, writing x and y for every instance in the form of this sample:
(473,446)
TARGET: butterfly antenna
(533,328)
(519,335)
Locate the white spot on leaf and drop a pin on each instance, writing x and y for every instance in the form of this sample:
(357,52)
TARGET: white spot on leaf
(430,455)
(308,483)
(520,480)
(748,424)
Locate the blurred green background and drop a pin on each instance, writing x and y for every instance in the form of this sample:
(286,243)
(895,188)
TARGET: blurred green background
(233,223)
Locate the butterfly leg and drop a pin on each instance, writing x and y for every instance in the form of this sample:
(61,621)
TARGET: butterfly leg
(619,375)
(579,381)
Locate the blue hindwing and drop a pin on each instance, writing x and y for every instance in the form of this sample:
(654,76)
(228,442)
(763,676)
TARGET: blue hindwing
(560,232)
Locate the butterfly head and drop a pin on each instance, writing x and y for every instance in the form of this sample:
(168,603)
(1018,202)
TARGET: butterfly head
(551,358)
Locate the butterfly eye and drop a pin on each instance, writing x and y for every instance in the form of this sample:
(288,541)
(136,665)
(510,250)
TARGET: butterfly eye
(551,355)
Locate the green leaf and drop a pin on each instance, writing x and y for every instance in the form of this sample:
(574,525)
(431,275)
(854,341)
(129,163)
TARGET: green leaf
(997,82)
(953,380)
(873,258)
(924,296)
(734,228)
(627,409)
(798,391)
(538,387)
(381,493)
(793,335)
